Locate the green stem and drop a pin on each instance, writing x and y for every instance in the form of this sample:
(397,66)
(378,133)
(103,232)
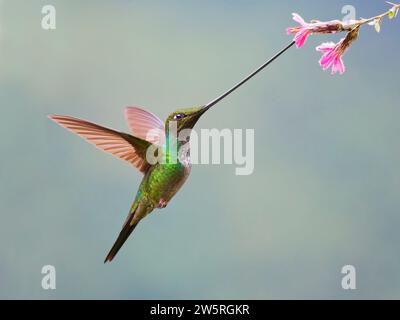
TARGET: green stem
(359,23)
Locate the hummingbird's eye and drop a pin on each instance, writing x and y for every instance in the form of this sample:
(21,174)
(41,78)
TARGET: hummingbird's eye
(178,116)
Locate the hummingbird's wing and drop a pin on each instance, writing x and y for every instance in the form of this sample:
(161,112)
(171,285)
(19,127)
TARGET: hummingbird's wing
(145,125)
(119,144)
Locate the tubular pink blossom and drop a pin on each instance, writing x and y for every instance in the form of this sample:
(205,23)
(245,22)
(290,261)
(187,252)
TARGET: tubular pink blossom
(332,53)
(306,29)
(302,32)
(332,56)
(301,37)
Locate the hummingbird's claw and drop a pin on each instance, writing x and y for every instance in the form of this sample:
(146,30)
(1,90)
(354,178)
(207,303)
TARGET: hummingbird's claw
(162,204)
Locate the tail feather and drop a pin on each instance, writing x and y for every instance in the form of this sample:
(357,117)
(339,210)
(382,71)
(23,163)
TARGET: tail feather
(124,234)
(137,212)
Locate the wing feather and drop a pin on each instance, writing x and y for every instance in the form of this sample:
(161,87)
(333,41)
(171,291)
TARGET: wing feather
(145,125)
(121,145)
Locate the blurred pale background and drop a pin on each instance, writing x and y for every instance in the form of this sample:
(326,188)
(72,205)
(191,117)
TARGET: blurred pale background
(325,191)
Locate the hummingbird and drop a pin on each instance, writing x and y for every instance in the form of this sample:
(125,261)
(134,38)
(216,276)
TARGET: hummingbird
(162,180)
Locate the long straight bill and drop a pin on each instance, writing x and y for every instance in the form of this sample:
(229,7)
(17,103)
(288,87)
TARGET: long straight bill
(251,75)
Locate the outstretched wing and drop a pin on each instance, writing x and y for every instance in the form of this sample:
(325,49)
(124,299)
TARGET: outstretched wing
(121,145)
(145,125)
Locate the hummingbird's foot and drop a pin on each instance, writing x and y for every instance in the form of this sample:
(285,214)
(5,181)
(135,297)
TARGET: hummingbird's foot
(162,204)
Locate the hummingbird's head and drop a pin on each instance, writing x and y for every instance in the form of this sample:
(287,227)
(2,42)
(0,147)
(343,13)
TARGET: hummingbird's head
(185,118)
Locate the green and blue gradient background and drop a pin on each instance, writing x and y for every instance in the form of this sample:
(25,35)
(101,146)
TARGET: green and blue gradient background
(325,191)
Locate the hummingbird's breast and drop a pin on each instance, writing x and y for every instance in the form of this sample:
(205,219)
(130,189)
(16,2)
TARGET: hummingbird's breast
(163,181)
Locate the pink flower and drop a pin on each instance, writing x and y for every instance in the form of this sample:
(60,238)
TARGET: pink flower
(332,56)
(305,29)
(302,32)
(332,53)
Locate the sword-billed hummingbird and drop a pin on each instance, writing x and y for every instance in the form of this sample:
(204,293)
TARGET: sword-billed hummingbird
(161,180)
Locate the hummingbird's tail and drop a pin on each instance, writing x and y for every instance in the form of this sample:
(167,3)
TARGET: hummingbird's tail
(123,235)
(138,211)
